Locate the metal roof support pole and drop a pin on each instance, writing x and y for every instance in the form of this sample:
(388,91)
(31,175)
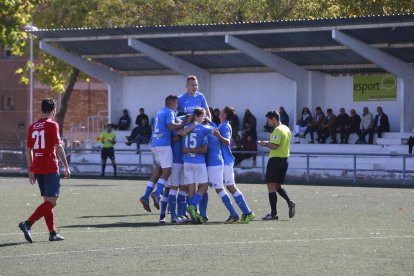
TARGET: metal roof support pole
(300,76)
(113,79)
(391,64)
(174,63)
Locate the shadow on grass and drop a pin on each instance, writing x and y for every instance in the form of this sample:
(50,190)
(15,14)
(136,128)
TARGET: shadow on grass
(90,185)
(120,216)
(12,244)
(114,225)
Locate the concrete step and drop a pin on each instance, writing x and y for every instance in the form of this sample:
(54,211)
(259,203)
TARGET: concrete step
(397,134)
(391,141)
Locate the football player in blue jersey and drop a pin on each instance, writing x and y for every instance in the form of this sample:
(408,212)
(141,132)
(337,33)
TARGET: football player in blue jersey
(191,99)
(195,170)
(224,134)
(215,166)
(161,149)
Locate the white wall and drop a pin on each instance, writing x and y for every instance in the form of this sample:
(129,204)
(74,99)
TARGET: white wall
(258,92)
(339,93)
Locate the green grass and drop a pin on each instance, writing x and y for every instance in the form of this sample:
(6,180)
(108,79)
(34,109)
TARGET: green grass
(337,230)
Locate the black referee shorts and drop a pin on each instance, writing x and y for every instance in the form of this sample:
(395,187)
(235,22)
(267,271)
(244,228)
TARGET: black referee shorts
(107,153)
(276,170)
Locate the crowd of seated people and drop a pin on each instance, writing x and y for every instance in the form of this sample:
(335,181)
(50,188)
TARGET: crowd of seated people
(329,125)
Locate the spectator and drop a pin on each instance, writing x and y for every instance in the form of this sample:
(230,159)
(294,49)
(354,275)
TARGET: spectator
(141,115)
(354,123)
(236,145)
(216,116)
(248,131)
(251,119)
(248,145)
(410,143)
(125,121)
(316,124)
(142,135)
(381,123)
(235,123)
(366,127)
(342,125)
(284,117)
(328,129)
(303,123)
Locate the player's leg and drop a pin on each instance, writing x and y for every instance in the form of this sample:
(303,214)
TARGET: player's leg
(164,203)
(166,161)
(229,181)
(104,156)
(281,168)
(112,158)
(174,181)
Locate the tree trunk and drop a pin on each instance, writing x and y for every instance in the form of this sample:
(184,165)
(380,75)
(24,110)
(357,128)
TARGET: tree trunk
(60,117)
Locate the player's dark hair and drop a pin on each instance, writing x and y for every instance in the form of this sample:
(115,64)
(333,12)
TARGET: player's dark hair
(230,112)
(170,99)
(48,105)
(194,78)
(273,114)
(198,111)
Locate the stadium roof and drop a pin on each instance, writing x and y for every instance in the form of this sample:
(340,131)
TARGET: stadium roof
(307,43)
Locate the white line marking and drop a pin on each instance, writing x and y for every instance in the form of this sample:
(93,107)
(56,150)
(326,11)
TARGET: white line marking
(183,228)
(201,244)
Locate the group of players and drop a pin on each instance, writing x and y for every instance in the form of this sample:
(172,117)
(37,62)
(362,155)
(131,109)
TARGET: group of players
(190,152)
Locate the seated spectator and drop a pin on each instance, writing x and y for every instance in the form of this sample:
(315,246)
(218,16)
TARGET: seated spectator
(236,145)
(366,127)
(354,123)
(140,135)
(381,123)
(125,121)
(328,129)
(284,117)
(342,125)
(249,125)
(303,123)
(316,124)
(216,116)
(248,145)
(141,116)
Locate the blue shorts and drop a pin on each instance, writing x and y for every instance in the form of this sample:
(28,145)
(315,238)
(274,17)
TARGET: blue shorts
(49,184)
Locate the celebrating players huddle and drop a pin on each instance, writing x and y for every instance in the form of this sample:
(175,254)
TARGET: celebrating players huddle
(191,153)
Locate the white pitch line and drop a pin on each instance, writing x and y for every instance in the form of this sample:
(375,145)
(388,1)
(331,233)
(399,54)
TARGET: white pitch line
(183,228)
(201,244)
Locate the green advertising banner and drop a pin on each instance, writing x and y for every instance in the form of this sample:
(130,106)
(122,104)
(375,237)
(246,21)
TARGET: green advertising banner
(375,88)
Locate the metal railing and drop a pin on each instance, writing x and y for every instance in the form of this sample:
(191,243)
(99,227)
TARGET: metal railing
(15,158)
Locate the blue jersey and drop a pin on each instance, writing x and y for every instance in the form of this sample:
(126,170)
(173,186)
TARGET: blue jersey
(225,131)
(162,133)
(187,103)
(214,156)
(195,139)
(177,149)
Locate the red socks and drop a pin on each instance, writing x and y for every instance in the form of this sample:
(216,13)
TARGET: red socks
(44,210)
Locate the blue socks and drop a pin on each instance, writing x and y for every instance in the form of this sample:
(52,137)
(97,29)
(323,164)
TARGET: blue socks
(203,205)
(164,203)
(160,187)
(181,203)
(227,202)
(238,197)
(148,191)
(172,202)
(196,199)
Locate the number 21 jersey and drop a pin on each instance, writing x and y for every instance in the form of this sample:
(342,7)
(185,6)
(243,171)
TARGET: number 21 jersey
(42,137)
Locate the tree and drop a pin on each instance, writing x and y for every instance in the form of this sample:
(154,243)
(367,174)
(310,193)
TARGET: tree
(14,15)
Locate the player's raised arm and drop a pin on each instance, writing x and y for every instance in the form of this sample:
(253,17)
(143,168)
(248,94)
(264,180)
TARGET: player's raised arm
(222,139)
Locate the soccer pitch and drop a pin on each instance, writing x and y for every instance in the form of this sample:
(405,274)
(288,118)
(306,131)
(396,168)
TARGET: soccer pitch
(336,230)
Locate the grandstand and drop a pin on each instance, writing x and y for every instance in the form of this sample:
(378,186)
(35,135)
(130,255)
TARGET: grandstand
(259,65)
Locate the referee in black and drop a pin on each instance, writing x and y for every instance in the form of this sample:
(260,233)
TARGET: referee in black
(277,165)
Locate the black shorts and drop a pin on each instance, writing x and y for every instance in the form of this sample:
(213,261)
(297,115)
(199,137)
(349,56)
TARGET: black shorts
(276,170)
(49,184)
(107,152)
